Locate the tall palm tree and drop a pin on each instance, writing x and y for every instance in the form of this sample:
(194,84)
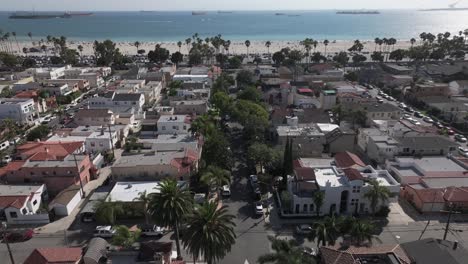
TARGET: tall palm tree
(226,45)
(80,49)
(179,44)
(16,40)
(377,42)
(326,231)
(268,44)
(144,198)
(215,177)
(44,49)
(318,198)
(285,252)
(361,231)
(377,194)
(412,40)
(325,43)
(169,206)
(247,44)
(210,233)
(107,212)
(6,37)
(137,44)
(187,42)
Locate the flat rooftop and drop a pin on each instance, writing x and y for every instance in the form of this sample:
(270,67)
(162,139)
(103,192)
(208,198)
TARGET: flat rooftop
(130,191)
(316,162)
(328,175)
(18,190)
(432,164)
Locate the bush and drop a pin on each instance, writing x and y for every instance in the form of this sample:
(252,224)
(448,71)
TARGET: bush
(383,211)
(39,132)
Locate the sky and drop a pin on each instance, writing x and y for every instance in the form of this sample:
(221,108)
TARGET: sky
(173,5)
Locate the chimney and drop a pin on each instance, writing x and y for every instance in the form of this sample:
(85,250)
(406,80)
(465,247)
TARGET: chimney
(455,245)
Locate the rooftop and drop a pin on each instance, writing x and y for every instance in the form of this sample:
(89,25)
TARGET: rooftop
(432,250)
(174,118)
(431,166)
(131,191)
(57,255)
(301,130)
(18,190)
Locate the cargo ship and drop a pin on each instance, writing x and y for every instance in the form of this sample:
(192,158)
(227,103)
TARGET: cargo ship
(38,16)
(79,14)
(198,13)
(358,12)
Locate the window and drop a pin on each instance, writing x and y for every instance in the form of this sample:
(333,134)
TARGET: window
(93,144)
(305,208)
(13,214)
(163,128)
(24,211)
(101,144)
(311,207)
(174,127)
(34,202)
(185,127)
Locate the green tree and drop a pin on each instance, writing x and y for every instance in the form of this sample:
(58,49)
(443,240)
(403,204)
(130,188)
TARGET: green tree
(215,177)
(268,44)
(377,194)
(137,44)
(6,93)
(221,59)
(317,57)
(145,199)
(124,237)
(341,58)
(318,198)
(177,57)
(159,54)
(169,206)
(351,76)
(69,56)
(326,231)
(397,55)
(358,58)
(210,233)
(234,62)
(262,154)
(244,78)
(39,132)
(285,252)
(29,63)
(216,150)
(223,102)
(107,212)
(106,53)
(195,57)
(8,59)
(377,56)
(361,231)
(250,93)
(278,57)
(179,44)
(247,45)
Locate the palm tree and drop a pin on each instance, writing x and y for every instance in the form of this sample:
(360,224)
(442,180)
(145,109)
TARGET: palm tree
(107,212)
(326,231)
(16,40)
(30,36)
(361,231)
(210,233)
(80,49)
(247,44)
(286,252)
(226,45)
(377,42)
(179,44)
(137,44)
(44,49)
(412,40)
(144,198)
(325,43)
(169,206)
(6,37)
(268,44)
(376,194)
(318,198)
(215,177)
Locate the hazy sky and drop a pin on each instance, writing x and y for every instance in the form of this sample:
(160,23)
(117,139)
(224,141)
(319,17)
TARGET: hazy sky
(71,5)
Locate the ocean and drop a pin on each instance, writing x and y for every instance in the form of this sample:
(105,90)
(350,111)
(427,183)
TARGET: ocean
(240,25)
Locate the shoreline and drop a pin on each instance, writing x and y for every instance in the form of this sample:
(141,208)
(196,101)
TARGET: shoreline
(236,48)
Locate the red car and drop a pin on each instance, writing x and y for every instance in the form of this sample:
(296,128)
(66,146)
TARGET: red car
(450,132)
(19,236)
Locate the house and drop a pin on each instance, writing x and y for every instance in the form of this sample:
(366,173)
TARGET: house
(168,142)
(304,97)
(66,201)
(348,87)
(53,163)
(20,204)
(458,87)
(430,89)
(425,145)
(344,181)
(94,117)
(396,69)
(398,80)
(432,250)
(385,111)
(174,124)
(327,99)
(75,84)
(56,255)
(196,107)
(387,253)
(156,165)
(122,104)
(21,110)
(152,91)
(55,89)
(41,74)
(130,192)
(452,109)
(157,252)
(40,104)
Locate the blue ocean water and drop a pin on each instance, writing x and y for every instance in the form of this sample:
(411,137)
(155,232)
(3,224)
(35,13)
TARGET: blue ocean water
(241,25)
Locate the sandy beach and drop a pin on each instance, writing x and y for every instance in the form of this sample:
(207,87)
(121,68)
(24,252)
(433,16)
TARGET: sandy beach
(236,48)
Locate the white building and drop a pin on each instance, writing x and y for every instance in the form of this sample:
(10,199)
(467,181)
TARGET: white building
(327,99)
(120,103)
(131,191)
(344,182)
(18,109)
(20,204)
(66,201)
(41,74)
(174,124)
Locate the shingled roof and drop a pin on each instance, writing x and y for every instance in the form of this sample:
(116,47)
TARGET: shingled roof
(348,159)
(59,255)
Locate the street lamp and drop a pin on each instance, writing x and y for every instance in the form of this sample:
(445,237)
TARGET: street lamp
(4,227)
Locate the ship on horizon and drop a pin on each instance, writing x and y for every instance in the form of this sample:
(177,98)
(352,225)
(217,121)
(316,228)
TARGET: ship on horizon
(41,15)
(198,13)
(358,12)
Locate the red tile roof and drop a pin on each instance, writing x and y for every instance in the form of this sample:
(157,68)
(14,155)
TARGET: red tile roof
(304,90)
(12,166)
(304,174)
(430,195)
(13,201)
(60,255)
(348,159)
(350,255)
(353,174)
(43,150)
(456,194)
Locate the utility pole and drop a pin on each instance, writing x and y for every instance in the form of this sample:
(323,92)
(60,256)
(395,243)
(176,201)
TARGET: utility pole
(79,176)
(111,141)
(447,226)
(4,225)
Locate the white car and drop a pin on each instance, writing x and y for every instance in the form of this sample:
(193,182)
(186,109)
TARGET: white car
(6,159)
(258,208)
(104,232)
(463,151)
(428,120)
(225,191)
(460,138)
(253,180)
(415,122)
(152,231)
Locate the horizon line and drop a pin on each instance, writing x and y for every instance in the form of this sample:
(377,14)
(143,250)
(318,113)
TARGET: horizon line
(215,10)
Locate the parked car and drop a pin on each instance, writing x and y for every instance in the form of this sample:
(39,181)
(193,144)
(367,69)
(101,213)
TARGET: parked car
(6,159)
(152,230)
(303,229)
(439,125)
(414,122)
(460,138)
(450,132)
(19,236)
(428,120)
(308,251)
(199,198)
(258,207)
(253,180)
(104,231)
(463,151)
(225,191)
(418,114)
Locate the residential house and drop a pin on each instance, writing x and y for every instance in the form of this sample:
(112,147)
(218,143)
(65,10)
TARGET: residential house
(398,80)
(432,250)
(344,181)
(55,255)
(94,117)
(385,111)
(56,164)
(66,201)
(430,89)
(41,74)
(74,84)
(54,89)
(20,110)
(20,204)
(379,254)
(397,69)
(327,99)
(452,109)
(40,104)
(174,124)
(192,107)
(130,192)
(124,104)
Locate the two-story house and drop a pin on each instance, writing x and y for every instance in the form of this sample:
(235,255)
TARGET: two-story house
(174,124)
